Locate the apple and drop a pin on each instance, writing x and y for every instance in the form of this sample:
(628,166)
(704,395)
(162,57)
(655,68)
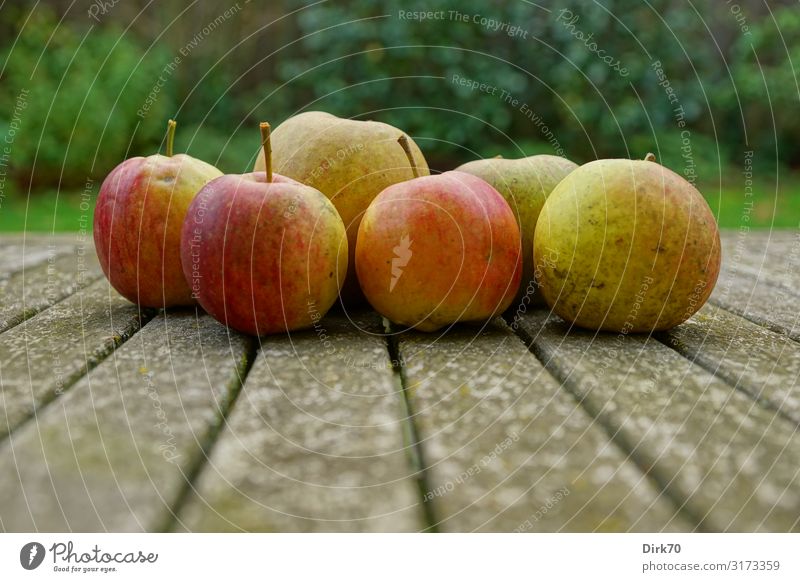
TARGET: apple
(349,161)
(435,250)
(525,184)
(137,224)
(626,246)
(263,253)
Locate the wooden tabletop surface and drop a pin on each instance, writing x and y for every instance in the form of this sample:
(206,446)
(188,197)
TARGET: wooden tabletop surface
(114,418)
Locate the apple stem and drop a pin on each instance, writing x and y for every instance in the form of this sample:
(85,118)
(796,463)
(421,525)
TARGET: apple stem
(266,143)
(170,136)
(650,157)
(403,141)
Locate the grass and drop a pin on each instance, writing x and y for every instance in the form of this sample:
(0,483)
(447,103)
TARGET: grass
(68,211)
(769,206)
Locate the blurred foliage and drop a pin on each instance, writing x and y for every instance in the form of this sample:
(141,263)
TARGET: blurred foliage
(85,83)
(767,86)
(593,110)
(76,95)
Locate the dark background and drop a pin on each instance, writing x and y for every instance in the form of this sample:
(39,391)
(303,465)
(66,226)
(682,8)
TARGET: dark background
(84,71)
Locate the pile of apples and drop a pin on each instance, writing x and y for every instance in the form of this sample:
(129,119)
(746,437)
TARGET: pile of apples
(352,212)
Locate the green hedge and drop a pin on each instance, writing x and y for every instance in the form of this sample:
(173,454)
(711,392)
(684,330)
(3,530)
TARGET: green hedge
(583,76)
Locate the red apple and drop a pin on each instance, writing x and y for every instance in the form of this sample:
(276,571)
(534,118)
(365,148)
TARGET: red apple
(263,253)
(137,224)
(439,249)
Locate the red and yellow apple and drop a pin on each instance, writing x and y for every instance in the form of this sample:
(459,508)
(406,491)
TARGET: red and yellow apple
(350,161)
(439,249)
(137,224)
(263,253)
(525,183)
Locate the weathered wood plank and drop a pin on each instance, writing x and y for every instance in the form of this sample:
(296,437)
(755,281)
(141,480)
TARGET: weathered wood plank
(44,355)
(19,252)
(30,291)
(509,450)
(765,292)
(114,453)
(762,363)
(770,255)
(733,464)
(314,442)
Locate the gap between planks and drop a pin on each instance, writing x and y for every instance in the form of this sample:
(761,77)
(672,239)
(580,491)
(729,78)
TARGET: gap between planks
(693,352)
(172,522)
(615,435)
(416,456)
(91,363)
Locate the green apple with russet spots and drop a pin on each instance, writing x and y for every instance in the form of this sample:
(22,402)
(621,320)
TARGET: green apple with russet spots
(626,246)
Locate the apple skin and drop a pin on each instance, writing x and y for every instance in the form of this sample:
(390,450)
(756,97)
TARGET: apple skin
(525,184)
(137,226)
(349,161)
(263,257)
(439,249)
(626,246)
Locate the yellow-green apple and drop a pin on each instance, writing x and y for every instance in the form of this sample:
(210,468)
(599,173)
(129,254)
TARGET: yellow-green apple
(263,253)
(525,184)
(439,249)
(626,246)
(349,161)
(137,224)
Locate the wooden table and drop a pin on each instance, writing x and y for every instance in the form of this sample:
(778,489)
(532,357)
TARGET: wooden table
(120,419)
